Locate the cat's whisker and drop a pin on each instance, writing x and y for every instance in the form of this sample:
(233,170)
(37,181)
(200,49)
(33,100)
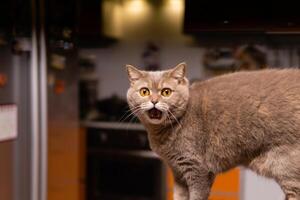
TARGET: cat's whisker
(178,107)
(126,117)
(166,109)
(131,109)
(133,112)
(127,112)
(175,118)
(170,121)
(131,121)
(134,117)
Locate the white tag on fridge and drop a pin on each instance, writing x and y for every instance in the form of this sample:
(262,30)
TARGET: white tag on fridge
(8,122)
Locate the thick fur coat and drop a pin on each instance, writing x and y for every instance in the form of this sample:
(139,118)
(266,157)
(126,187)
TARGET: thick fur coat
(245,118)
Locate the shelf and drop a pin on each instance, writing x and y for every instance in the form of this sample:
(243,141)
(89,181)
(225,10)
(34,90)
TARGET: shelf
(113,125)
(89,76)
(122,152)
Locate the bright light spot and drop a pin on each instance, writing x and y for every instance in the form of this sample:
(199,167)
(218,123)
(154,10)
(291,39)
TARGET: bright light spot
(135,6)
(112,18)
(176,5)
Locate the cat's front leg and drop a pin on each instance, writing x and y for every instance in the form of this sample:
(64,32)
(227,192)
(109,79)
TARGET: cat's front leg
(199,184)
(181,191)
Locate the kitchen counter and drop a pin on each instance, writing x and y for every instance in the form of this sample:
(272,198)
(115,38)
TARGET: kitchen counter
(113,125)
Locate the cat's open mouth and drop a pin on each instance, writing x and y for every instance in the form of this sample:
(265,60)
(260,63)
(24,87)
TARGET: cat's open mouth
(155,113)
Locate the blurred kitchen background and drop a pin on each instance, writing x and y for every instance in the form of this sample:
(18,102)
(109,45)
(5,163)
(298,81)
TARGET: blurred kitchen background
(65,129)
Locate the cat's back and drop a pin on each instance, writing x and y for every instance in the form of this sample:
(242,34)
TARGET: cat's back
(246,101)
(245,113)
(253,84)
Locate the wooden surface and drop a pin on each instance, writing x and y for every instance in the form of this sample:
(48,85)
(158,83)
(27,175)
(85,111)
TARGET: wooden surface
(82,163)
(6,170)
(63,164)
(226,186)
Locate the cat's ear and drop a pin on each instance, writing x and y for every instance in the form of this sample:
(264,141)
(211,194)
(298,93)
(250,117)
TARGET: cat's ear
(133,73)
(179,71)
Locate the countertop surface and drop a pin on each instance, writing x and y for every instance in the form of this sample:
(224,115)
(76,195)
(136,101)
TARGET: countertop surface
(113,125)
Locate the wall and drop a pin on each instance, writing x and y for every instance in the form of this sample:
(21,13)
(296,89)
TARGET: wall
(142,22)
(259,188)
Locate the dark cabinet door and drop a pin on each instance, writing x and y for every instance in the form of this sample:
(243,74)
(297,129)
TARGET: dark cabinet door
(240,16)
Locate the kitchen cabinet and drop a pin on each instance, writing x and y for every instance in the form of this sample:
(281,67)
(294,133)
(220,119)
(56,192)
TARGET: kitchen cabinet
(243,17)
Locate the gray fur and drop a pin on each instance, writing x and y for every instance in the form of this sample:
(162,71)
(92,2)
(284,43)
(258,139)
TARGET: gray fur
(245,118)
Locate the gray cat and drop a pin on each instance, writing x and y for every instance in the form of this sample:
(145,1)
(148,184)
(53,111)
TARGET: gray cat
(245,118)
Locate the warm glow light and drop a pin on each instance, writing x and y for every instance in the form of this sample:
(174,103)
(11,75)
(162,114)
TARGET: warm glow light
(135,6)
(176,5)
(112,18)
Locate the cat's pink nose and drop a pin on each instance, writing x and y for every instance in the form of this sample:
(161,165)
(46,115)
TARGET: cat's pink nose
(154,101)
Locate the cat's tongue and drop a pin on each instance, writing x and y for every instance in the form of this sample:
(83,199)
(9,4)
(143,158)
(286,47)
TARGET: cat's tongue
(155,113)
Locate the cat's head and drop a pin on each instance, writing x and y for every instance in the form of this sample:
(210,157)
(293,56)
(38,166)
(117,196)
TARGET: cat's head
(158,97)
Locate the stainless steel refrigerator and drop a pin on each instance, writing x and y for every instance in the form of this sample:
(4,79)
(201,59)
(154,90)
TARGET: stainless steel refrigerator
(23,66)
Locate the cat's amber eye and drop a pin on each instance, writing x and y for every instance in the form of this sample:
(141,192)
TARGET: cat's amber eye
(144,92)
(166,92)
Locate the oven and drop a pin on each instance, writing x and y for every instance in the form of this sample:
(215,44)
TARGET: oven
(121,166)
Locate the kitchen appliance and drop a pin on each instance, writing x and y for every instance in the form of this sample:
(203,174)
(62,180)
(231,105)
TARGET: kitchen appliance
(120,164)
(18,156)
(23,70)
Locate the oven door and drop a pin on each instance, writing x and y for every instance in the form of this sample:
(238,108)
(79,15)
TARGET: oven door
(125,175)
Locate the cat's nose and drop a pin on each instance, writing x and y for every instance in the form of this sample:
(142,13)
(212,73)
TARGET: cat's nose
(154,101)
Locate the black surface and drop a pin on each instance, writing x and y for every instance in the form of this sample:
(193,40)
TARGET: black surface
(15,18)
(117,139)
(117,178)
(248,16)
(114,109)
(90,25)
(117,168)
